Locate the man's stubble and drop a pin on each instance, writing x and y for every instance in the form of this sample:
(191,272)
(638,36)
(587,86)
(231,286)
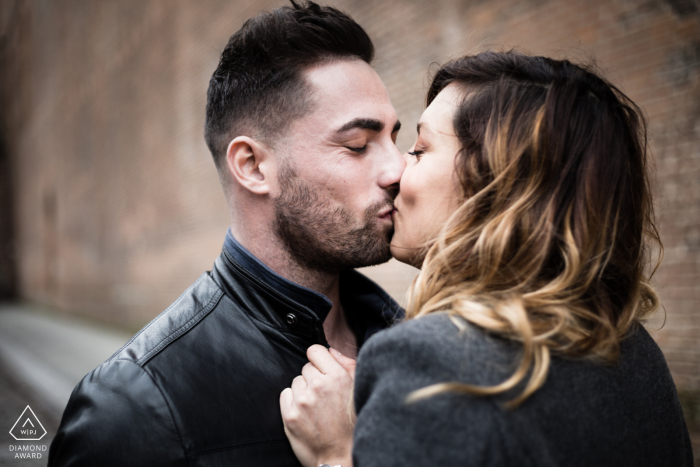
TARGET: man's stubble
(323,237)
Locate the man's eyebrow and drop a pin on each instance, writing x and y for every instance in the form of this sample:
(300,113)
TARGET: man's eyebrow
(397,127)
(363,124)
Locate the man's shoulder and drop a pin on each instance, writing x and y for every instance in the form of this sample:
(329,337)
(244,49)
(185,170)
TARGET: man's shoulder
(195,303)
(124,387)
(113,407)
(197,382)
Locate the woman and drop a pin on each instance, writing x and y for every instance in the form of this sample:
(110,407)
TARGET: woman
(526,204)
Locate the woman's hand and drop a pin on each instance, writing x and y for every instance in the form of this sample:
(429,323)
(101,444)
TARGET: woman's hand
(317,410)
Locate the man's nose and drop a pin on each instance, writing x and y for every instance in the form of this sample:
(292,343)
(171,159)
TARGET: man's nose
(393,165)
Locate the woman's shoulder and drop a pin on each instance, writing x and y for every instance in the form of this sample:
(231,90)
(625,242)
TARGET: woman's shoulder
(638,344)
(441,345)
(425,335)
(423,330)
(416,354)
(417,330)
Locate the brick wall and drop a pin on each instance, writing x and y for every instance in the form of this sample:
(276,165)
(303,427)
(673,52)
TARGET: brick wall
(117,207)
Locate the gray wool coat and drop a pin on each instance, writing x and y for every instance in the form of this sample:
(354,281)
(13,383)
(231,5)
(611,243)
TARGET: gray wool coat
(586,414)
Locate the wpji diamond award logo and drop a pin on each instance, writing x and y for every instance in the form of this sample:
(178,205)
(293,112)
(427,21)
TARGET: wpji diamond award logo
(28,428)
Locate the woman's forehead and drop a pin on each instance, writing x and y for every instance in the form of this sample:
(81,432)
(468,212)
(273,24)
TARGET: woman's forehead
(439,115)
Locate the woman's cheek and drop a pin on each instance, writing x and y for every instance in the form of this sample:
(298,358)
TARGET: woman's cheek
(410,187)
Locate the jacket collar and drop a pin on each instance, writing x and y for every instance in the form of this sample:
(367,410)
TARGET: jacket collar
(368,307)
(316,302)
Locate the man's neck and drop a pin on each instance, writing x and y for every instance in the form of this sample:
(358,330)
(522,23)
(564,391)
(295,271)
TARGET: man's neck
(270,250)
(338,333)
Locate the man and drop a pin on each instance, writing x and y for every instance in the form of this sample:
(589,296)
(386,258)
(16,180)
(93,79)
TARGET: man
(302,133)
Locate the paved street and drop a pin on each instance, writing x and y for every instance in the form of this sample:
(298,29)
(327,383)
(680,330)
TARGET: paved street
(42,357)
(14,397)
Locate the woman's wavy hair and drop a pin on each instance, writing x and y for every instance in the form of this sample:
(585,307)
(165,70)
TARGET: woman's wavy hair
(549,245)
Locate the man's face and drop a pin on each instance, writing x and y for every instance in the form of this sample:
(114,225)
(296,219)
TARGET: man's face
(339,171)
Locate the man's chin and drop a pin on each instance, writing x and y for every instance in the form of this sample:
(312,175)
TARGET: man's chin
(378,260)
(386,256)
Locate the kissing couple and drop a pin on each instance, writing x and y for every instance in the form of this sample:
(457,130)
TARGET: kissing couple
(526,204)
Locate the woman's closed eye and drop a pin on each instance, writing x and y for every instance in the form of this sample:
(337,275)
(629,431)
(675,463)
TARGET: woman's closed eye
(417,153)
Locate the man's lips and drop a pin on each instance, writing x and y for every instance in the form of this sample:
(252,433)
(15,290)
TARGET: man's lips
(386,212)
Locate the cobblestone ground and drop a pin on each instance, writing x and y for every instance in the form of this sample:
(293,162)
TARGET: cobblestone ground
(14,398)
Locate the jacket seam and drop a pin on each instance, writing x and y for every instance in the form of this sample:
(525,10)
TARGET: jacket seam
(133,338)
(227,447)
(170,411)
(182,329)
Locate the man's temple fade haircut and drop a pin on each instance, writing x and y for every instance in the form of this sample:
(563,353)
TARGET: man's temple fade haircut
(258,88)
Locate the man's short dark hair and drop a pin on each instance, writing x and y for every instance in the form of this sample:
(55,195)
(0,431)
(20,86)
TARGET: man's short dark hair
(258,88)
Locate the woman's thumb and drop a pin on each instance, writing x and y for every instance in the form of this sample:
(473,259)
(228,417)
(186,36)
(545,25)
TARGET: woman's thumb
(347,363)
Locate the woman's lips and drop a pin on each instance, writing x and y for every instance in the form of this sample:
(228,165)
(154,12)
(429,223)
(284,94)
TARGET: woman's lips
(394,217)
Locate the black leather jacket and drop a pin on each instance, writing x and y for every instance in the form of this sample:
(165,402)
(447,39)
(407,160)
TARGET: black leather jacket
(200,384)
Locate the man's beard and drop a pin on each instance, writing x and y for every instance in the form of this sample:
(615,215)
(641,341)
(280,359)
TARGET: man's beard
(325,238)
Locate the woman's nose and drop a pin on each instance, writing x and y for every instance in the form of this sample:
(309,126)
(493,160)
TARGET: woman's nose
(395,163)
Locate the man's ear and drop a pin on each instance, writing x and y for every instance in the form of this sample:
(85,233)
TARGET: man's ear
(248,163)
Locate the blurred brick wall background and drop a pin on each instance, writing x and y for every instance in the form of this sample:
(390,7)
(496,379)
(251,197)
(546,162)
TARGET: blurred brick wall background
(109,202)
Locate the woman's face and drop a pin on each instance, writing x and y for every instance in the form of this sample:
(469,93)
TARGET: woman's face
(429,186)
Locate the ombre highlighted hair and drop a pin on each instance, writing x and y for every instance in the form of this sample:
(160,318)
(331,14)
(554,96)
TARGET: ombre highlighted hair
(550,244)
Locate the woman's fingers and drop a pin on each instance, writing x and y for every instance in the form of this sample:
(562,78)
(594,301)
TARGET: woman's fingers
(347,363)
(298,387)
(309,372)
(322,359)
(311,407)
(286,402)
